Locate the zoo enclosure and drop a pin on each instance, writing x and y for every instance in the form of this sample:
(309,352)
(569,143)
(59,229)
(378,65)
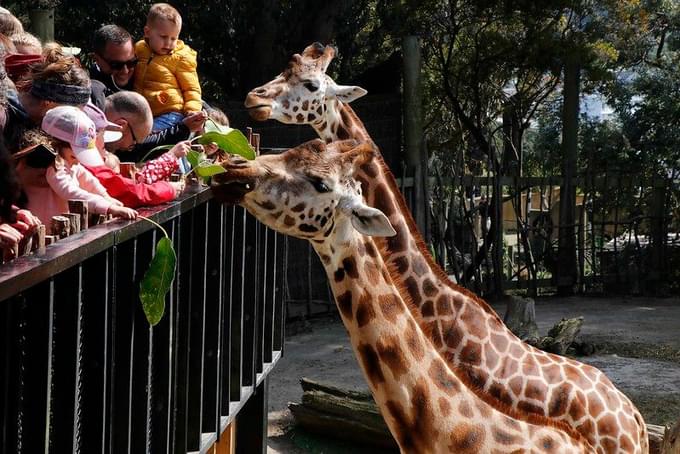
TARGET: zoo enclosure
(82,370)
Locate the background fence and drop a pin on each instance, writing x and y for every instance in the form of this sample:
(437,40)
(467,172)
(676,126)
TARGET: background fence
(82,370)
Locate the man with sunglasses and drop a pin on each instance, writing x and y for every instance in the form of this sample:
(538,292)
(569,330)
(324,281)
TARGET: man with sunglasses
(114,57)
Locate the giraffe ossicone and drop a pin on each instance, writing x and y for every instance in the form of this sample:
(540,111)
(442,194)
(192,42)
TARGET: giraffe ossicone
(311,192)
(468,334)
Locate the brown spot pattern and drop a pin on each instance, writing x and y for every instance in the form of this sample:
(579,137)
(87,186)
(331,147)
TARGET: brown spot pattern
(371,363)
(390,306)
(350,266)
(345,304)
(429,288)
(365,312)
(440,375)
(391,355)
(427,309)
(467,439)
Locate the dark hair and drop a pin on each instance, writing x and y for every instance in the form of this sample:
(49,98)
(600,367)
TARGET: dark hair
(109,34)
(10,190)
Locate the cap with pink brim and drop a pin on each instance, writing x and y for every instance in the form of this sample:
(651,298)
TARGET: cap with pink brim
(72,125)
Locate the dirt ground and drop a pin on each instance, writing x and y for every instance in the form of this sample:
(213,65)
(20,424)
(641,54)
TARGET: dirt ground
(638,342)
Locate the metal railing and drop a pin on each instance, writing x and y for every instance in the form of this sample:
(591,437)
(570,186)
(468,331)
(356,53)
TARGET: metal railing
(81,370)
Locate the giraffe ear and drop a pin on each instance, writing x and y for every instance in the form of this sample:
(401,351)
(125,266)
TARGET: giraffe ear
(348,93)
(368,221)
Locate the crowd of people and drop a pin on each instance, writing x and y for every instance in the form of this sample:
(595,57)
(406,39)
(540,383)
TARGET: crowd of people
(65,128)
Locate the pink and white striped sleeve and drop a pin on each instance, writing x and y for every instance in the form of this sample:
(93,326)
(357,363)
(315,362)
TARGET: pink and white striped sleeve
(159,169)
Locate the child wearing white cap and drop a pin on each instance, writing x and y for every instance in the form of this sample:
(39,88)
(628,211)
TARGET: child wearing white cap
(73,137)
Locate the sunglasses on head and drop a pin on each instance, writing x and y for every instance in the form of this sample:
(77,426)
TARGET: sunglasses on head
(118,65)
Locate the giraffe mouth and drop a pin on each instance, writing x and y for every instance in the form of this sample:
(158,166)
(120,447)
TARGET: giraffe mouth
(231,192)
(260,112)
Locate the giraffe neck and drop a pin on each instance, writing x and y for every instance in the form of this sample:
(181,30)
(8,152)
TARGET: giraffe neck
(472,339)
(427,407)
(340,123)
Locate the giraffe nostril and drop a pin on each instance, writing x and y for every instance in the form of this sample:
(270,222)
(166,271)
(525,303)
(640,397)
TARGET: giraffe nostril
(260,91)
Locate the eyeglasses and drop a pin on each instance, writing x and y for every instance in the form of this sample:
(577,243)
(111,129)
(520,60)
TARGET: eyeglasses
(132,133)
(118,65)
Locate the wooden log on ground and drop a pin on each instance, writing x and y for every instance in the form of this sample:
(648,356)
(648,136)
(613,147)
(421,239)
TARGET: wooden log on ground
(562,335)
(671,440)
(60,226)
(339,413)
(80,207)
(520,318)
(655,434)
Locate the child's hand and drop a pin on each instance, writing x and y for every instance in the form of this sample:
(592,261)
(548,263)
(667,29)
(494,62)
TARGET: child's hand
(122,212)
(178,186)
(195,121)
(181,149)
(9,236)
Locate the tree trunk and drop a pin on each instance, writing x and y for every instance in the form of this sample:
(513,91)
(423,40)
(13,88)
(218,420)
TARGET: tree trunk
(42,24)
(566,277)
(520,318)
(416,163)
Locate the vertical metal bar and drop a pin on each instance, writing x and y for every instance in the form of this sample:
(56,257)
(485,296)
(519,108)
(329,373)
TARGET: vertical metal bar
(196,338)
(161,369)
(65,367)
(237,305)
(183,331)
(122,338)
(251,430)
(261,289)
(141,390)
(269,291)
(279,300)
(95,299)
(213,314)
(225,318)
(250,302)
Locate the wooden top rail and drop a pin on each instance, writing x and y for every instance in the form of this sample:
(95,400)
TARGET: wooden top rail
(26,271)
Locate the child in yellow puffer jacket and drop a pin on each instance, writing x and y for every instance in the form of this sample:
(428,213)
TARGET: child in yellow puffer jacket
(166,73)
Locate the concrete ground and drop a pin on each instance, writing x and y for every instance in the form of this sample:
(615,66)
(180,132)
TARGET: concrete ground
(639,350)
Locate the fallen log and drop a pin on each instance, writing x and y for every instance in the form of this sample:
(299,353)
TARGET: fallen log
(561,336)
(345,414)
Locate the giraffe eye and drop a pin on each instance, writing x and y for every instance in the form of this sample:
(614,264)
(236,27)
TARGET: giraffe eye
(319,185)
(311,86)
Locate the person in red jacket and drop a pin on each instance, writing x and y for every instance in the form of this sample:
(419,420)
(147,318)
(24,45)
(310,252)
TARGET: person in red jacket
(126,190)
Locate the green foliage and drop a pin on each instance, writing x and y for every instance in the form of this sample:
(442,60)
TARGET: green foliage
(230,140)
(157,280)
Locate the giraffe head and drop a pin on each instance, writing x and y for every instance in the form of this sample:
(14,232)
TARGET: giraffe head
(302,92)
(308,192)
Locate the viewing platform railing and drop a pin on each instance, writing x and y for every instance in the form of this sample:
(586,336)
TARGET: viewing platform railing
(81,370)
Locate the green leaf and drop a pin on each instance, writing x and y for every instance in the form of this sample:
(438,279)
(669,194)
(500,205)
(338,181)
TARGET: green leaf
(155,149)
(208,170)
(195,158)
(157,281)
(211,126)
(233,142)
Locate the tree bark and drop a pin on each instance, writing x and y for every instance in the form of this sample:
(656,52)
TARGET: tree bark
(566,277)
(416,159)
(520,318)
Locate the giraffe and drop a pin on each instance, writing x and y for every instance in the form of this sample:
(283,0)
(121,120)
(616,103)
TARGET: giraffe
(462,327)
(310,192)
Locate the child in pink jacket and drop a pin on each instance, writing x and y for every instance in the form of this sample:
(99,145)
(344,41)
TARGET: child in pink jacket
(73,135)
